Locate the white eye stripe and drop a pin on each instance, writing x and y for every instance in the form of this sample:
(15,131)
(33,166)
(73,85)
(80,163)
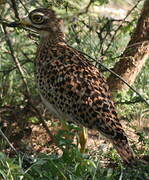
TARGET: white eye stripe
(38,13)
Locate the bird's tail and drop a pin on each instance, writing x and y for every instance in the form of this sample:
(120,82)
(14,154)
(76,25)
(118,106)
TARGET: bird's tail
(124,150)
(115,133)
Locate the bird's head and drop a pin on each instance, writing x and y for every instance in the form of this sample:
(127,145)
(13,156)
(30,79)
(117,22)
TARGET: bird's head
(42,20)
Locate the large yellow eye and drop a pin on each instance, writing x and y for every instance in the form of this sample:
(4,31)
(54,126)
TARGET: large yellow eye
(37,19)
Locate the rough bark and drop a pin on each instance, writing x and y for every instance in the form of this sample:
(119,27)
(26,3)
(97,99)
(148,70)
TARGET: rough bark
(135,54)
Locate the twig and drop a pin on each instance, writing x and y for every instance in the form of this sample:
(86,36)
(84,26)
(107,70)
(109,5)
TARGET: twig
(131,102)
(15,8)
(27,94)
(111,71)
(42,121)
(86,8)
(13,68)
(16,61)
(24,6)
(4,22)
(7,140)
(119,27)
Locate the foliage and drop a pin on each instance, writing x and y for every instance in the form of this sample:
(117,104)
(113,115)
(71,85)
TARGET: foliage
(104,39)
(71,165)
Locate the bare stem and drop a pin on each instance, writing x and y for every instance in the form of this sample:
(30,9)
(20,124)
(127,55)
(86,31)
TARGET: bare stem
(27,94)
(7,140)
(14,6)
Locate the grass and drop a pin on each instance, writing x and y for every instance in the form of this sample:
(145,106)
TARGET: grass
(70,165)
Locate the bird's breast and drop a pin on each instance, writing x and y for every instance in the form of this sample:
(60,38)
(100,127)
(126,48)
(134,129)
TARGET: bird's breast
(56,111)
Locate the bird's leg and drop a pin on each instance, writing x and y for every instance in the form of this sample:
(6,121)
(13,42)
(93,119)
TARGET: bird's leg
(83,136)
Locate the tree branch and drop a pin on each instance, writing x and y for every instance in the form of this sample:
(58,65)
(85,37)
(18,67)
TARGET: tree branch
(86,8)
(135,54)
(119,27)
(137,100)
(14,6)
(119,77)
(16,61)
(7,140)
(27,94)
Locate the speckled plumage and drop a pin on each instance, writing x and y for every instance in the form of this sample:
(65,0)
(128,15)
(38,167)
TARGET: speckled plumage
(71,87)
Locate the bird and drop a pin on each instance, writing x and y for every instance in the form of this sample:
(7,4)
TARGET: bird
(70,86)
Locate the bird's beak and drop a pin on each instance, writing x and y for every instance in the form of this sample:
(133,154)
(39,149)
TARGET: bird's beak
(23,22)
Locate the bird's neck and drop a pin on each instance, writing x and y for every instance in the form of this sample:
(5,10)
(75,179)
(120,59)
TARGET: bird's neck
(52,38)
(47,42)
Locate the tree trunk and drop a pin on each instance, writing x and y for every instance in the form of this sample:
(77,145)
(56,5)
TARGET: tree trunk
(135,54)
